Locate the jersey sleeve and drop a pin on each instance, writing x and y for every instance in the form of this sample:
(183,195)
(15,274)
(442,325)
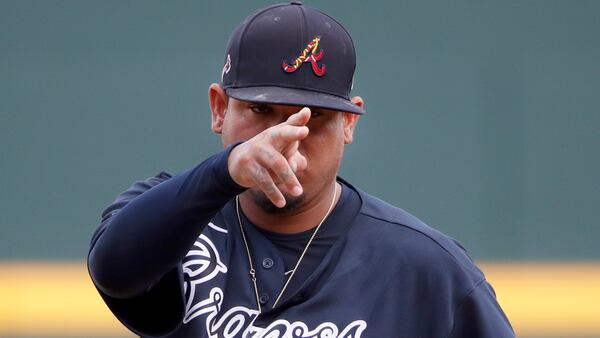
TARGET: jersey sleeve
(135,254)
(479,315)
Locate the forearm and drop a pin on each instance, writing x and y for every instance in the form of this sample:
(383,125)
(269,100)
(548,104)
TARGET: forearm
(154,231)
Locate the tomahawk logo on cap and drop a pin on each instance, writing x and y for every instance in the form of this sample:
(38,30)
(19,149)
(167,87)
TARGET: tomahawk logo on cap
(309,54)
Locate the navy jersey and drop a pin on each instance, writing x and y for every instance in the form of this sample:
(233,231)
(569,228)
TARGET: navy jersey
(169,260)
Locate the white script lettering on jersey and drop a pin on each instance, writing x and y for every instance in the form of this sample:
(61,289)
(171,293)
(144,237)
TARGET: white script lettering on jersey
(202,264)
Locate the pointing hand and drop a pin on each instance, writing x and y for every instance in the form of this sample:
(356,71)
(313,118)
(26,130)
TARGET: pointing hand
(270,160)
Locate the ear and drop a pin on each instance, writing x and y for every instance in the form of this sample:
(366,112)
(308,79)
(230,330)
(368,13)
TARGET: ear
(218,100)
(350,120)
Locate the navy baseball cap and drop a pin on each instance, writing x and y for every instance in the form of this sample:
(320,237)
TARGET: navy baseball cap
(291,54)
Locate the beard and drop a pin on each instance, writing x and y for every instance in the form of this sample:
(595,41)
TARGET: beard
(262,201)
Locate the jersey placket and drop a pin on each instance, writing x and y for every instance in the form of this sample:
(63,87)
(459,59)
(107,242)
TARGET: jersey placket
(268,263)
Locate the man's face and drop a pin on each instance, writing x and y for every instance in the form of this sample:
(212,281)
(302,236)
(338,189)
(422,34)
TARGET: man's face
(323,147)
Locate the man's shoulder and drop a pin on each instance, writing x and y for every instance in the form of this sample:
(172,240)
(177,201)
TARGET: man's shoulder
(412,242)
(395,219)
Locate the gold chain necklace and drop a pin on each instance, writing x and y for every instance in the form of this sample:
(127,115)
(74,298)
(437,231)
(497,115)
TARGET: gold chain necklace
(251,264)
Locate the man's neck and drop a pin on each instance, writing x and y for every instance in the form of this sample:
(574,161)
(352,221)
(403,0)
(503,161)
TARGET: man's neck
(303,218)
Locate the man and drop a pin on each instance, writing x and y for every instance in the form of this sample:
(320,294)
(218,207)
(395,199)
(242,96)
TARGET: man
(263,239)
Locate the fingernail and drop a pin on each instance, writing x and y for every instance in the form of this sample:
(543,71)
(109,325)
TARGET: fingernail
(297,191)
(280,203)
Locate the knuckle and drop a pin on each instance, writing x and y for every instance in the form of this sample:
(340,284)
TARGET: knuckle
(258,175)
(274,133)
(243,158)
(266,152)
(264,180)
(286,174)
(290,130)
(254,148)
(280,164)
(271,189)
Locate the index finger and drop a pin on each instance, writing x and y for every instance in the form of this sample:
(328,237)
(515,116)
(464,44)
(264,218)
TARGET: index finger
(300,118)
(282,135)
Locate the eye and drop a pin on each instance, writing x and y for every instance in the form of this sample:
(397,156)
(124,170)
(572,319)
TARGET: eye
(261,108)
(315,114)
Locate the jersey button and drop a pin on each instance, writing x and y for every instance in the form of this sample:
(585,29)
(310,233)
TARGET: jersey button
(264,298)
(267,263)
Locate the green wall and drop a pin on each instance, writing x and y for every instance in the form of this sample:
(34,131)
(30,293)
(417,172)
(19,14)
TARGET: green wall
(483,117)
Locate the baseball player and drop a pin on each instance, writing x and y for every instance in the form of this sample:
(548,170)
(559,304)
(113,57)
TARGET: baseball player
(263,239)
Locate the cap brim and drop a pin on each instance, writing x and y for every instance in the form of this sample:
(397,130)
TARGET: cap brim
(293,97)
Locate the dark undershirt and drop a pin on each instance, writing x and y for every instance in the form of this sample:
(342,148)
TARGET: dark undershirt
(291,246)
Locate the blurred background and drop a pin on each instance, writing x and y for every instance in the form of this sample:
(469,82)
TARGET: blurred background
(483,119)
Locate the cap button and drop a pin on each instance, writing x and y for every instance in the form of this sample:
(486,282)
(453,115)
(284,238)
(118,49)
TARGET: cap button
(296,3)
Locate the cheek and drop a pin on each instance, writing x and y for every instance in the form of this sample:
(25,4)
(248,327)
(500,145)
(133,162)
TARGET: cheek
(328,135)
(228,132)
(235,130)
(324,145)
